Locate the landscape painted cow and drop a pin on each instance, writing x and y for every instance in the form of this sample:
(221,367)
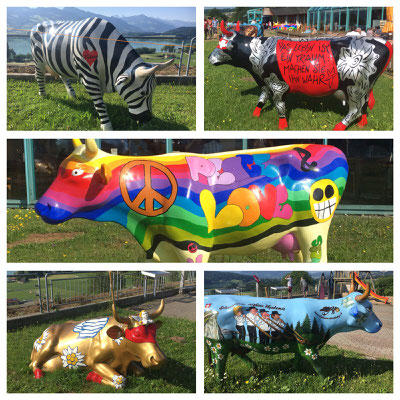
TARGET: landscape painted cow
(346,67)
(184,206)
(111,347)
(96,54)
(303,326)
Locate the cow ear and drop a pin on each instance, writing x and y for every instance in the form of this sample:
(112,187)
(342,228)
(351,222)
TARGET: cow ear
(105,173)
(115,332)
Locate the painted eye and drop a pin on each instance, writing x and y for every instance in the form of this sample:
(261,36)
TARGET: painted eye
(329,191)
(318,194)
(77,172)
(368,308)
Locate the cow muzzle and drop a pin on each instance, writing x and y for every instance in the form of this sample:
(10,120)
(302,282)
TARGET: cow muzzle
(51,214)
(218,57)
(155,360)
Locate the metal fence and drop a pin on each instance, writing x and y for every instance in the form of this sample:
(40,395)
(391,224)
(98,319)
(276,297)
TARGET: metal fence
(58,290)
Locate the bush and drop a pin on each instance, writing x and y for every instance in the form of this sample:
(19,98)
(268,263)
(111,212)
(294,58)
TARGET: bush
(145,50)
(384,286)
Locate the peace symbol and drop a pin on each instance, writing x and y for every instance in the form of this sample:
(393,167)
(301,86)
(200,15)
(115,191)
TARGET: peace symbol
(147,194)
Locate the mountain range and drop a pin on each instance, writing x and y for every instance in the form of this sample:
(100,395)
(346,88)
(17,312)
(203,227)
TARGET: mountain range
(26,18)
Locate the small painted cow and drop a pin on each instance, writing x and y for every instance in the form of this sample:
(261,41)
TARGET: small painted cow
(300,326)
(346,67)
(184,207)
(96,54)
(110,347)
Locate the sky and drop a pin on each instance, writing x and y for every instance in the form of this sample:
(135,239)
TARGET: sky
(180,13)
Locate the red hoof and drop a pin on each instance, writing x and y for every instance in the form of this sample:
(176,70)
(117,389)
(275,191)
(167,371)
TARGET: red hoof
(363,120)
(94,377)
(38,373)
(282,124)
(371,100)
(340,127)
(257,112)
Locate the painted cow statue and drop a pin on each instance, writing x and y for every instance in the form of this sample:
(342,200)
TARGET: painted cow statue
(110,347)
(182,207)
(301,326)
(96,54)
(346,67)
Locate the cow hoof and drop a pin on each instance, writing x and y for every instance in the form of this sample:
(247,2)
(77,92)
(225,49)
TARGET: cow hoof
(257,112)
(106,127)
(94,377)
(340,127)
(371,100)
(363,121)
(38,373)
(282,124)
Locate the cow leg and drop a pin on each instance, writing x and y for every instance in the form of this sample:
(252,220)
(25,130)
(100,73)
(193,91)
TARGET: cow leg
(357,97)
(70,89)
(95,93)
(278,89)
(108,376)
(40,70)
(248,361)
(261,101)
(313,242)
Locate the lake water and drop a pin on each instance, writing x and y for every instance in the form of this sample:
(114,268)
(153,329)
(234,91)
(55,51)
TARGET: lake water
(22,45)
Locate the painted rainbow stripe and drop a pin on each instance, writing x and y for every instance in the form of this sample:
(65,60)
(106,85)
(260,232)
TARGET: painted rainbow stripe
(286,172)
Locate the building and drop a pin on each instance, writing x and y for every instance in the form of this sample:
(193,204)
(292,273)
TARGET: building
(32,165)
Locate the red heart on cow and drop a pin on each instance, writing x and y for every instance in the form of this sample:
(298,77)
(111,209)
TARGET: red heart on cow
(90,56)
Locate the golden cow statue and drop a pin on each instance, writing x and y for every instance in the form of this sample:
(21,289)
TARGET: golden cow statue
(110,347)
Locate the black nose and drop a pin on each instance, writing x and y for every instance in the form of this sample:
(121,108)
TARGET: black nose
(143,117)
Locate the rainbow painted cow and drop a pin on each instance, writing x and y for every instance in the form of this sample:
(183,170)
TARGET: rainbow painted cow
(184,207)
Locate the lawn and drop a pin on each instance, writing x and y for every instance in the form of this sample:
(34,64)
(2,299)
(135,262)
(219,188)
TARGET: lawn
(347,372)
(351,239)
(178,375)
(173,108)
(231,95)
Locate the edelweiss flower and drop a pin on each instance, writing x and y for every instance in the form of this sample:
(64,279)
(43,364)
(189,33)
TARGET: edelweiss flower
(72,359)
(41,341)
(119,340)
(267,348)
(275,349)
(308,352)
(213,349)
(119,381)
(285,346)
(219,347)
(347,302)
(357,61)
(220,356)
(314,356)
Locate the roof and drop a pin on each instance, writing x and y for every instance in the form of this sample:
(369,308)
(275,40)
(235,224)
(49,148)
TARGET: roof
(288,10)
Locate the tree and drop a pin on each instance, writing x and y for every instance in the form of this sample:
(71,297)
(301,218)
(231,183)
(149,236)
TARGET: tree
(296,275)
(168,48)
(239,14)
(215,13)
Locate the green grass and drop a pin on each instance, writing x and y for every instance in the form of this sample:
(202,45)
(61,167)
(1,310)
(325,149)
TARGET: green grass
(231,95)
(177,375)
(154,58)
(351,239)
(173,108)
(346,371)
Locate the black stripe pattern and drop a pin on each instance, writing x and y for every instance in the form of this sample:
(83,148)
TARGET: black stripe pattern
(96,54)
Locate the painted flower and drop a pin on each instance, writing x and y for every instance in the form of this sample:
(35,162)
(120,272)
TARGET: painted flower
(220,356)
(267,348)
(72,358)
(41,341)
(213,349)
(308,352)
(314,356)
(215,361)
(118,340)
(208,342)
(357,61)
(119,381)
(275,349)
(285,346)
(219,347)
(347,302)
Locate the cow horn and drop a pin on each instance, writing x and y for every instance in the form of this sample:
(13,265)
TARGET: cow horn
(224,31)
(119,319)
(159,311)
(76,143)
(237,26)
(143,72)
(364,296)
(91,148)
(165,65)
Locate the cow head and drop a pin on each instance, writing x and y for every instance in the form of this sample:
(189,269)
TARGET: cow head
(228,47)
(140,340)
(136,85)
(79,184)
(360,314)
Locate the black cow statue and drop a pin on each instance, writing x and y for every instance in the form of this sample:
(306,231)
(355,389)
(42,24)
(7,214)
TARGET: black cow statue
(346,67)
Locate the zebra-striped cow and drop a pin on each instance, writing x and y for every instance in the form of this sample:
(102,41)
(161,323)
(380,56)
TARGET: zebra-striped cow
(94,52)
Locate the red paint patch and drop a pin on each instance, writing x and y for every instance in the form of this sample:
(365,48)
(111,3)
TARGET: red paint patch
(90,56)
(192,247)
(340,127)
(363,121)
(38,373)
(257,112)
(308,67)
(282,124)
